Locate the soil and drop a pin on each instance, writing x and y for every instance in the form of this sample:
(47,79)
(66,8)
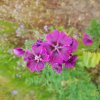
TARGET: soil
(37,13)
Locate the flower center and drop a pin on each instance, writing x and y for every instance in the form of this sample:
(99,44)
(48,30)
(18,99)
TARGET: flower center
(38,58)
(57,47)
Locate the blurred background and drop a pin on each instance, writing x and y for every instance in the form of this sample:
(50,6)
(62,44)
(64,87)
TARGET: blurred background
(37,13)
(23,20)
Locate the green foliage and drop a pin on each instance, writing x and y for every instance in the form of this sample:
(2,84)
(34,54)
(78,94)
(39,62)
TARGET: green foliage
(60,28)
(7,27)
(89,59)
(82,90)
(28,44)
(72,84)
(8,62)
(94,29)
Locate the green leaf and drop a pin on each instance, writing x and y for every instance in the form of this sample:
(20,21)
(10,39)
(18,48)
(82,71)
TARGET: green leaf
(28,44)
(7,27)
(89,59)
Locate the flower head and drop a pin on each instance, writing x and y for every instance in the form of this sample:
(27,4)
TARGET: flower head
(87,40)
(57,50)
(57,46)
(36,58)
(18,51)
(70,63)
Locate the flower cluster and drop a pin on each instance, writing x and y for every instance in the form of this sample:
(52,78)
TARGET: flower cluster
(57,50)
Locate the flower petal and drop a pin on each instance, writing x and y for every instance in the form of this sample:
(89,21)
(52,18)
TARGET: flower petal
(87,40)
(53,37)
(65,53)
(45,57)
(38,43)
(36,50)
(40,66)
(55,58)
(71,62)
(64,39)
(18,51)
(73,45)
(57,67)
(31,65)
(28,56)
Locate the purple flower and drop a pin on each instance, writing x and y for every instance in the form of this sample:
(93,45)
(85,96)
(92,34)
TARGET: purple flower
(36,58)
(58,44)
(71,62)
(87,40)
(57,67)
(38,43)
(18,51)
(56,50)
(73,45)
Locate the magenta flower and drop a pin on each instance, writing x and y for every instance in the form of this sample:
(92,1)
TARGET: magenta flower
(57,50)
(36,58)
(73,45)
(71,62)
(38,43)
(87,40)
(18,51)
(57,46)
(57,67)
